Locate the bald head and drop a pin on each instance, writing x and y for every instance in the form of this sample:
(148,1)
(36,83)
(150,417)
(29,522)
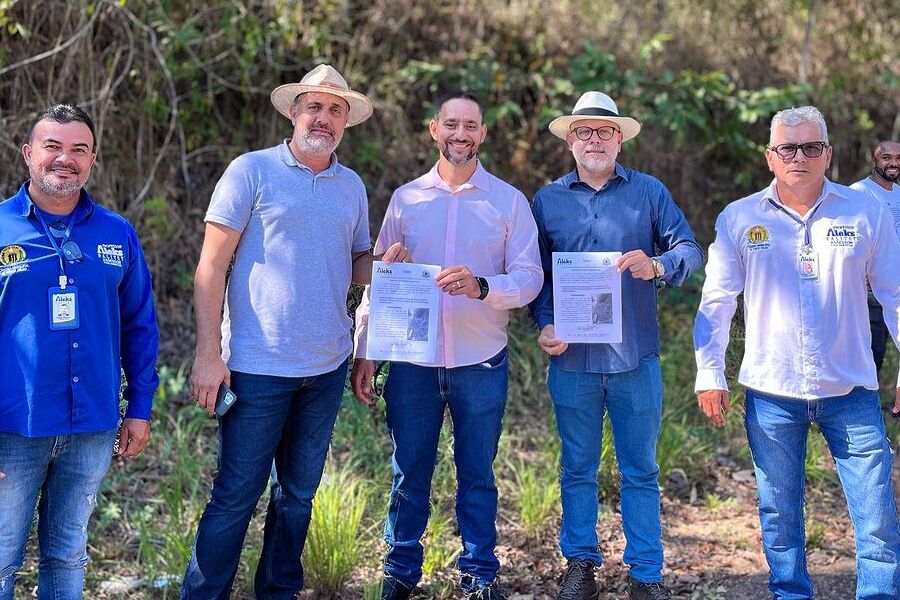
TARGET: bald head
(886,163)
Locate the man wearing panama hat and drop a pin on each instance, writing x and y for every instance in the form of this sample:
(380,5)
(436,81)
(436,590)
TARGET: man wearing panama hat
(602,206)
(296,223)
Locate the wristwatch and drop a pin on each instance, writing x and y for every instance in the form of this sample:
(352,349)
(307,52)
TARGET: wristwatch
(483,286)
(658,268)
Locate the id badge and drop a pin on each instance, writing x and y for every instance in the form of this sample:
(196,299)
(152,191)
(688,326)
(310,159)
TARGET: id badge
(809,265)
(63,308)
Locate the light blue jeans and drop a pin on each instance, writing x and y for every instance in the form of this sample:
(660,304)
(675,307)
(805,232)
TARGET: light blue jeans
(854,430)
(66,472)
(634,402)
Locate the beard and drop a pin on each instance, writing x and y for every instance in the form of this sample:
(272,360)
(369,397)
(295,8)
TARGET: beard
(311,143)
(42,178)
(884,175)
(471,151)
(595,163)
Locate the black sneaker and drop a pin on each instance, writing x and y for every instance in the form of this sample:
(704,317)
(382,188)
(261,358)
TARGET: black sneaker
(488,592)
(394,589)
(578,582)
(648,591)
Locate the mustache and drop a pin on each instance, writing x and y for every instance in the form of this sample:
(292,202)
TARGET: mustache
(64,167)
(321,127)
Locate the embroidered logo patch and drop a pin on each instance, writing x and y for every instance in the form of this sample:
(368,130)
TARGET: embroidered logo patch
(758,238)
(842,236)
(12,260)
(12,254)
(111,254)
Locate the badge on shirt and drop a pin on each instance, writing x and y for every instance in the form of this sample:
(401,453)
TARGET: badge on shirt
(809,264)
(842,236)
(63,308)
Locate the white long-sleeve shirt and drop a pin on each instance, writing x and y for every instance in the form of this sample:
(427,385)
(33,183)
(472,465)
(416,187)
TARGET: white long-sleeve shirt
(805,338)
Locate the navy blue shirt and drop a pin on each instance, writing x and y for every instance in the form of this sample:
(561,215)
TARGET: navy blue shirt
(68,381)
(631,211)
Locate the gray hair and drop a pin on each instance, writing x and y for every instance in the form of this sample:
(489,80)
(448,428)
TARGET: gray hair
(792,117)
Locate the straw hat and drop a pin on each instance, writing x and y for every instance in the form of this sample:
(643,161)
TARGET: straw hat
(323,78)
(595,105)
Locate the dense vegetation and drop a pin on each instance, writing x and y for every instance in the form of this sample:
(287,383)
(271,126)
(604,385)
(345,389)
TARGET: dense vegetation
(179,88)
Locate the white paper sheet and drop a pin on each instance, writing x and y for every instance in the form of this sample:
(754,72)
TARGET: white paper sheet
(587,297)
(403,314)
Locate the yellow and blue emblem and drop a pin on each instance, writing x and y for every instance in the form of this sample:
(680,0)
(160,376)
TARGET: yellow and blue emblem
(11,255)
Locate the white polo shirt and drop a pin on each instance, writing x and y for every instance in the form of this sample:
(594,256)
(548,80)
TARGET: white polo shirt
(806,338)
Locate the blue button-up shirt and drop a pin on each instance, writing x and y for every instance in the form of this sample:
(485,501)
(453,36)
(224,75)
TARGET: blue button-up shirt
(68,381)
(632,211)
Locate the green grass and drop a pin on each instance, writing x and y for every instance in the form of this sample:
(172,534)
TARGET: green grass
(332,548)
(537,495)
(147,513)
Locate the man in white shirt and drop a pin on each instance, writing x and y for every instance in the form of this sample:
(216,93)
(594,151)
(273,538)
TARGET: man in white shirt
(882,185)
(801,251)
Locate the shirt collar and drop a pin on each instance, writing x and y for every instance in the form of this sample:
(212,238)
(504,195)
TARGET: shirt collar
(83,209)
(480,179)
(770,195)
(571,178)
(288,158)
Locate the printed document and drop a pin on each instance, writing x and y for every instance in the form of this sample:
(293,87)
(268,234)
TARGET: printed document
(587,297)
(403,316)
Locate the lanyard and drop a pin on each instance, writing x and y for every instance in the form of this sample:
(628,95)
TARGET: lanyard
(59,251)
(807,245)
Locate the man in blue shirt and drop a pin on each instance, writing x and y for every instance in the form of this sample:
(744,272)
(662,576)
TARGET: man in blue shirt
(602,206)
(76,307)
(296,222)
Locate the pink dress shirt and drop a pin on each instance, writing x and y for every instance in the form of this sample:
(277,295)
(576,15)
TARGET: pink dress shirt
(484,224)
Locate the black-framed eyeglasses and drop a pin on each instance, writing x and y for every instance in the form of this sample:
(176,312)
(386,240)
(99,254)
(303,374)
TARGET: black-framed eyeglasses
(809,149)
(584,132)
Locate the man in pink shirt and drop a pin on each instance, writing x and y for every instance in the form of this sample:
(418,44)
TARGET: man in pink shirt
(480,229)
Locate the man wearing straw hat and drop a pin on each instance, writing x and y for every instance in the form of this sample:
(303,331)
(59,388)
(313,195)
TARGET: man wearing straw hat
(602,206)
(296,223)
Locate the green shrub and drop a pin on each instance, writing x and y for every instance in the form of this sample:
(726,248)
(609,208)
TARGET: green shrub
(332,546)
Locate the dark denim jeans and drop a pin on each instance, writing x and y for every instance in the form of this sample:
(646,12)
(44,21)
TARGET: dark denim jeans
(853,427)
(416,400)
(285,419)
(633,401)
(66,471)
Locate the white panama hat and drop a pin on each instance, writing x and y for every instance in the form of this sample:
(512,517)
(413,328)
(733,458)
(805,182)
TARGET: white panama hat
(324,78)
(595,105)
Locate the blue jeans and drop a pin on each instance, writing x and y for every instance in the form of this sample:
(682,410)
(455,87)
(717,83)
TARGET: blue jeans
(633,401)
(416,398)
(285,419)
(854,430)
(66,471)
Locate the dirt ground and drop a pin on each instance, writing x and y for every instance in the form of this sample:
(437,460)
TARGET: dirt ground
(712,552)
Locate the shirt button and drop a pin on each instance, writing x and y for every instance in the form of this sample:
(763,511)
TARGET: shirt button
(71,280)
(596,216)
(75,379)
(74,344)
